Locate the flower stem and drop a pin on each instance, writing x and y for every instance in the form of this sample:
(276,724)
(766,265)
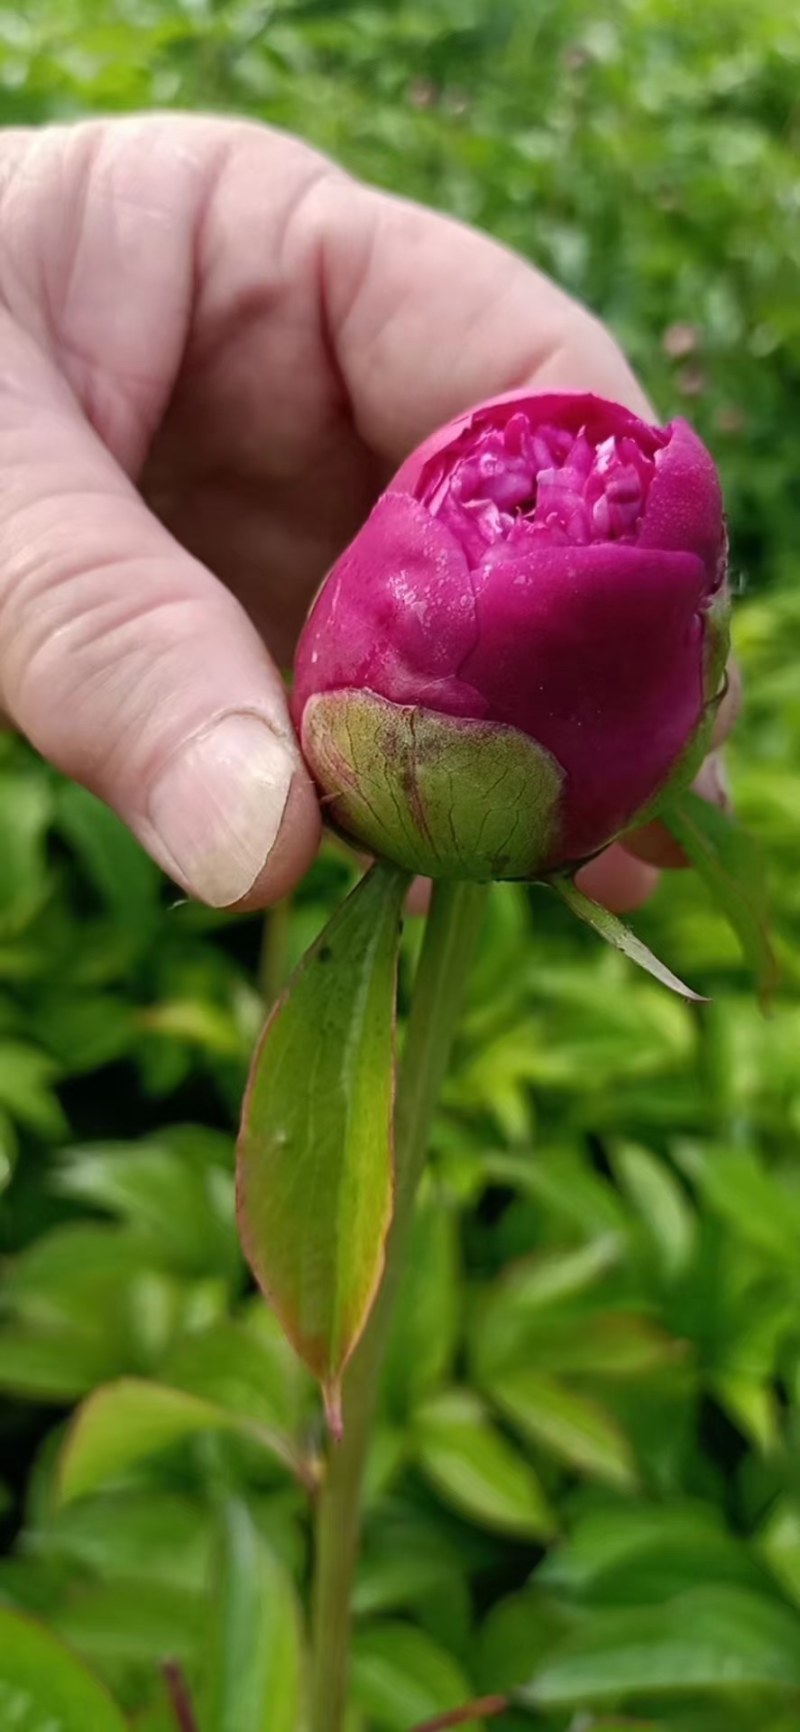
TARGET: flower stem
(449,943)
(273,961)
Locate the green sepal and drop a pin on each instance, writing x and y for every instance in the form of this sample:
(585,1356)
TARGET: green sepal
(717,643)
(730,863)
(615,932)
(440,795)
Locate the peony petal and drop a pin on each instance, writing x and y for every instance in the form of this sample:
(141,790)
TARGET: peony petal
(396,615)
(482,588)
(571,410)
(684,505)
(597,652)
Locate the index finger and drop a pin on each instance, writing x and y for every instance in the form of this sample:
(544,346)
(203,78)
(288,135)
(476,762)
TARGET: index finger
(427,317)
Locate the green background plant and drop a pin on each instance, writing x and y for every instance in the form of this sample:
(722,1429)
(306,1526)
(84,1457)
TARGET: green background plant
(585,1477)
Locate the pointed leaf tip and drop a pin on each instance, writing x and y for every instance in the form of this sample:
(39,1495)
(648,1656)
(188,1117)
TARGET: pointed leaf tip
(615,932)
(315,1164)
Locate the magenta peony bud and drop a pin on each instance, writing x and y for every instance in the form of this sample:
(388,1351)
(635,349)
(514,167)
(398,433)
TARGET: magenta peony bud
(525,644)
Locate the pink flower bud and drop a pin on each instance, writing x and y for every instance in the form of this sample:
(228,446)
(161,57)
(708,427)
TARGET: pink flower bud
(524,645)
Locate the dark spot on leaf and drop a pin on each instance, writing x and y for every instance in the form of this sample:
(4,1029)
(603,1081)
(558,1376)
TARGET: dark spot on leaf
(325,954)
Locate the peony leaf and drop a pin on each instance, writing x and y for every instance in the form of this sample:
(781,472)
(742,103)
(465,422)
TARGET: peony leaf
(476,1470)
(401,1677)
(568,1424)
(730,863)
(315,1148)
(254,1660)
(711,1638)
(123,1423)
(615,932)
(46,1688)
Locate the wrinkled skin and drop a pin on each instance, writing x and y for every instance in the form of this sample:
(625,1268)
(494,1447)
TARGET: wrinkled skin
(216,350)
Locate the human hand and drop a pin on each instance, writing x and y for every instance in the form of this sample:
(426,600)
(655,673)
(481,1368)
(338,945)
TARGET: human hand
(217,348)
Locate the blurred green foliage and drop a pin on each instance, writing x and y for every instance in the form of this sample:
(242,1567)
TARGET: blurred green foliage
(585,1480)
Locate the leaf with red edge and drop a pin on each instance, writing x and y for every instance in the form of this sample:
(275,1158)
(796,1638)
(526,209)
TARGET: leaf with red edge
(315,1163)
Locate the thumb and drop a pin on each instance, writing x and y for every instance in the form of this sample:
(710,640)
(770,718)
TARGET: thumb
(134,671)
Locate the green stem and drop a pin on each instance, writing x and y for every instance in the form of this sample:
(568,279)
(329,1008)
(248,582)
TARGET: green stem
(450,939)
(273,966)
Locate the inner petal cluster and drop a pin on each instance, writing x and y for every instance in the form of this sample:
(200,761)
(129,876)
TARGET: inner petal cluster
(516,482)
